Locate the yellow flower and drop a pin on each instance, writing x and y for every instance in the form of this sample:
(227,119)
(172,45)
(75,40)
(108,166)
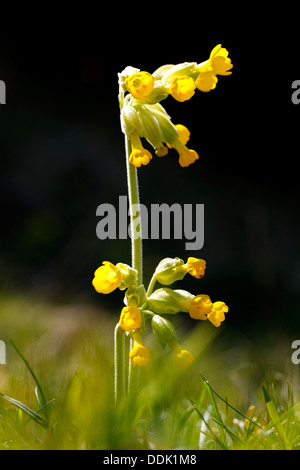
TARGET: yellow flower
(182,88)
(107,278)
(217,64)
(162,151)
(219,61)
(200,307)
(139,155)
(140,85)
(187,157)
(184,133)
(183,358)
(130,318)
(206,81)
(217,314)
(139,354)
(196,267)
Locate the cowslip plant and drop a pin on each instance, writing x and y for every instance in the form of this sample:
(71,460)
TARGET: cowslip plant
(143,117)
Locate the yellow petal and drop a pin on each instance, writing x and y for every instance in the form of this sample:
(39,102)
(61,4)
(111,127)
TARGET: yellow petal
(187,157)
(139,355)
(140,85)
(200,307)
(184,359)
(182,88)
(130,318)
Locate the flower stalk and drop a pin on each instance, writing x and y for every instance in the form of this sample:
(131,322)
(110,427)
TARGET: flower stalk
(119,364)
(143,117)
(136,252)
(134,200)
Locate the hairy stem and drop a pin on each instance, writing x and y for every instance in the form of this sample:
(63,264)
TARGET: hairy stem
(119,364)
(136,249)
(135,219)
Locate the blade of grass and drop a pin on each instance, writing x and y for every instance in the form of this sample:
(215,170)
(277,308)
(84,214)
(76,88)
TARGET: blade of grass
(9,422)
(276,420)
(37,411)
(221,444)
(216,413)
(229,432)
(231,406)
(37,418)
(291,413)
(203,427)
(43,399)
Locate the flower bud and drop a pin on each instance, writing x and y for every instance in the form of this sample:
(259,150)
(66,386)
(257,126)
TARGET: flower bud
(170,270)
(156,125)
(168,72)
(130,120)
(168,301)
(163,330)
(150,127)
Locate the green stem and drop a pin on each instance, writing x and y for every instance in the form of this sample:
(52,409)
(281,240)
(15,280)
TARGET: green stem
(136,262)
(135,218)
(151,285)
(133,384)
(119,345)
(136,250)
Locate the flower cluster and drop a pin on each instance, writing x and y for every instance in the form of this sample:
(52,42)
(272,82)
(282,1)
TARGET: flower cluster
(141,305)
(142,115)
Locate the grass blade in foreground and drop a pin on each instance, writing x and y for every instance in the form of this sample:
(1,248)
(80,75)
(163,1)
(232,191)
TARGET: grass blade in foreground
(37,418)
(43,402)
(276,420)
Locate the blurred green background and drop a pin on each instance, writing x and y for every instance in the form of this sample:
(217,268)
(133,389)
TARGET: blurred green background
(62,154)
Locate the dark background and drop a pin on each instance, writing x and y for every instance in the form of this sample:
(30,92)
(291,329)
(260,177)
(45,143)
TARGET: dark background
(62,154)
